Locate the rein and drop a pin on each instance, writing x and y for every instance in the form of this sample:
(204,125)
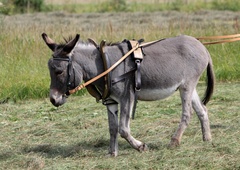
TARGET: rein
(221,39)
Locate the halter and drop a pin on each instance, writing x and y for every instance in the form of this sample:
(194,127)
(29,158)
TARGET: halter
(69,60)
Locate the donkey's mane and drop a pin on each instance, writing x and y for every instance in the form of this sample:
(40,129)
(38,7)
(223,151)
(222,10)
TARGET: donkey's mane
(112,43)
(67,40)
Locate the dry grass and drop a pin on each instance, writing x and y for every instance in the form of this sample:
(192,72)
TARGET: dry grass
(100,1)
(35,135)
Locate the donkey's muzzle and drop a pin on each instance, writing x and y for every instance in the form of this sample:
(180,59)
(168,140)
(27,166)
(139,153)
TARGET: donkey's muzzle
(56,98)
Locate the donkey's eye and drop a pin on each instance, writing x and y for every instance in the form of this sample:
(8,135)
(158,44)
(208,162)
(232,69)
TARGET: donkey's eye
(58,72)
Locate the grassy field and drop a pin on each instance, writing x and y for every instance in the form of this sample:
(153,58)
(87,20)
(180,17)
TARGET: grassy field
(36,135)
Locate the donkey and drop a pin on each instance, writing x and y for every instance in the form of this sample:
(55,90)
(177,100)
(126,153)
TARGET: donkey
(169,65)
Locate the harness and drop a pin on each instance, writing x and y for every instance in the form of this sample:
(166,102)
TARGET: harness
(109,81)
(138,55)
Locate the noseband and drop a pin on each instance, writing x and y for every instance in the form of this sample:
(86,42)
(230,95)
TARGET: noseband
(69,84)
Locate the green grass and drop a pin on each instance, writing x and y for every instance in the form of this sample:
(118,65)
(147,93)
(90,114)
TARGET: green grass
(36,135)
(24,55)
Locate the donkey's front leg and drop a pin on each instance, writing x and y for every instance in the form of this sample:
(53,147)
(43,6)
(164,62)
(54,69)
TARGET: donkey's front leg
(113,128)
(124,125)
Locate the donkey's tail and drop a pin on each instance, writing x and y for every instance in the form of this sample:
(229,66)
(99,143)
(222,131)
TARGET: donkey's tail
(210,82)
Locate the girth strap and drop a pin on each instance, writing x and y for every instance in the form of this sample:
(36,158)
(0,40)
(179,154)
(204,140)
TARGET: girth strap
(123,76)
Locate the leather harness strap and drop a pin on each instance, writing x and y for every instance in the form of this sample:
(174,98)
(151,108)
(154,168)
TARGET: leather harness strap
(92,89)
(138,57)
(107,77)
(108,81)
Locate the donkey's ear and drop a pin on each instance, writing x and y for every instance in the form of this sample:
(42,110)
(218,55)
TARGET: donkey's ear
(71,44)
(50,43)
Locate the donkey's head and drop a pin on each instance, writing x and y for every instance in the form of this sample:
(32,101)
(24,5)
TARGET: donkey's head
(61,69)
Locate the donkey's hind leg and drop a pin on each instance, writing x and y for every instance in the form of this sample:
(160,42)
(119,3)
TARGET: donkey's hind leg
(201,111)
(186,98)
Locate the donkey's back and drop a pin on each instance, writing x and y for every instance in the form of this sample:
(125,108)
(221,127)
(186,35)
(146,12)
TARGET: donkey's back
(172,64)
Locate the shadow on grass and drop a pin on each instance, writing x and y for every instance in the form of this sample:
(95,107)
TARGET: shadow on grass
(218,126)
(82,149)
(6,155)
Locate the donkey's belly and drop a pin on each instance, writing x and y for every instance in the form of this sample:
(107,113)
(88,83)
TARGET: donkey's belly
(156,94)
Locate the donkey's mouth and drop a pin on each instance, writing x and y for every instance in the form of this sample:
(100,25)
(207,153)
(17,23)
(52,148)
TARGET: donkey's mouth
(58,100)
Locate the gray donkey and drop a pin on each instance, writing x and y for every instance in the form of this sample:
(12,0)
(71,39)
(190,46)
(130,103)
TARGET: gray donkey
(168,65)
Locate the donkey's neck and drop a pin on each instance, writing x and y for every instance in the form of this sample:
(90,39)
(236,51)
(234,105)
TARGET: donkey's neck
(88,59)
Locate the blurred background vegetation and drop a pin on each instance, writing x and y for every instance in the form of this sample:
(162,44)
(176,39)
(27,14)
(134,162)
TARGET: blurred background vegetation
(9,7)
(23,54)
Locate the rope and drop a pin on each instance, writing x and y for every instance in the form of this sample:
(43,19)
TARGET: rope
(221,39)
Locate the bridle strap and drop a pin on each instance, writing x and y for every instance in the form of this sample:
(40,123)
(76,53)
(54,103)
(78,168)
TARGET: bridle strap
(69,60)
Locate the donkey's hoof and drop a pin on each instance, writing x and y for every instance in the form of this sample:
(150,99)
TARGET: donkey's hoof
(143,148)
(113,154)
(174,143)
(207,138)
